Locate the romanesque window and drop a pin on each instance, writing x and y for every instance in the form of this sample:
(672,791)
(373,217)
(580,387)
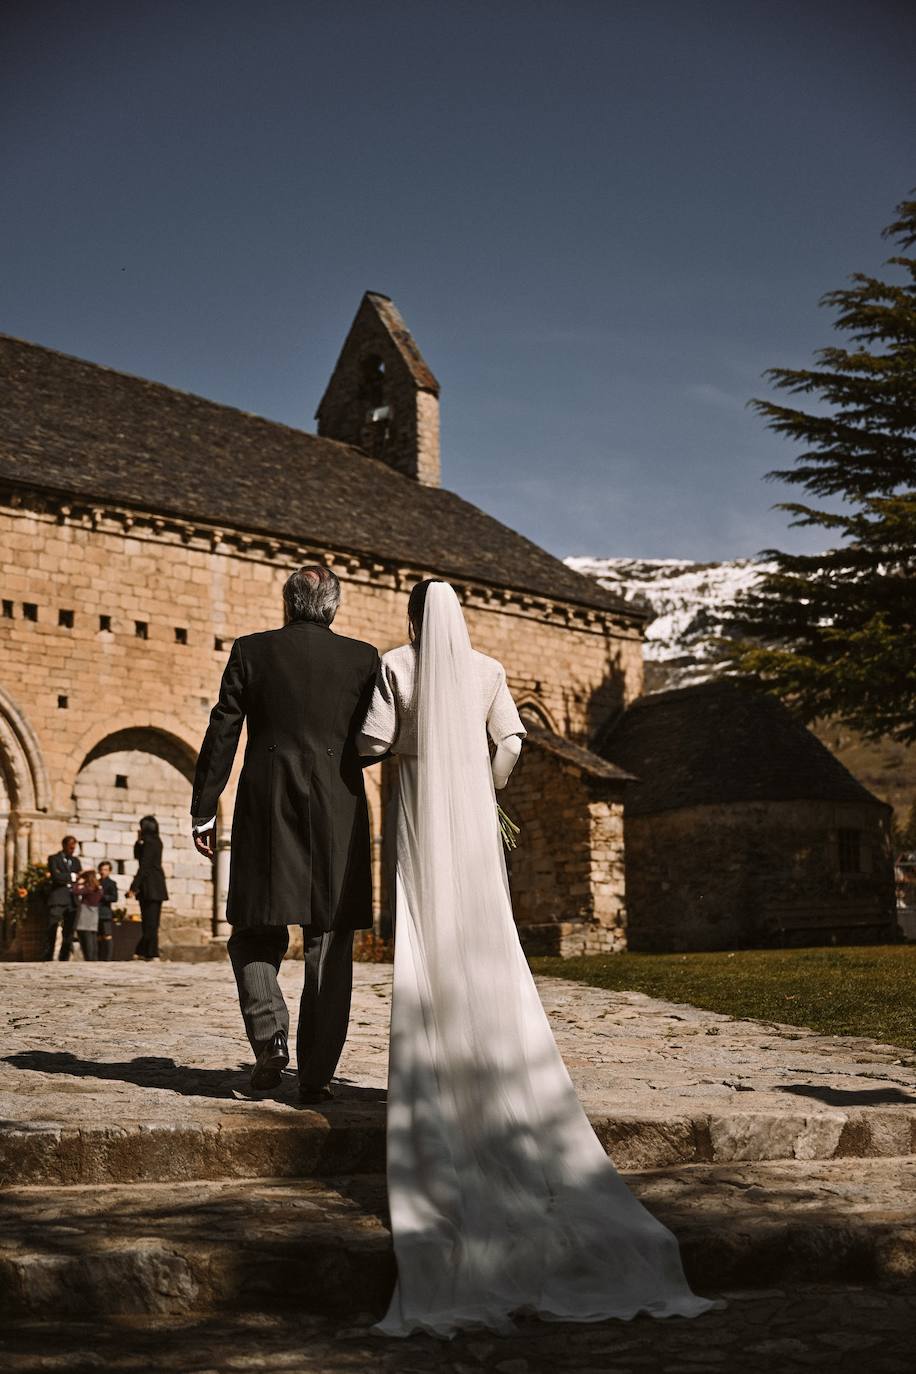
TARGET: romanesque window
(372,387)
(7,610)
(63,702)
(104,622)
(181,635)
(29,610)
(849,844)
(141,629)
(533,714)
(374,405)
(120,779)
(65,619)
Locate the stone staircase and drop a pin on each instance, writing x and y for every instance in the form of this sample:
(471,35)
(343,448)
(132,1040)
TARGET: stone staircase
(136,1185)
(254,1217)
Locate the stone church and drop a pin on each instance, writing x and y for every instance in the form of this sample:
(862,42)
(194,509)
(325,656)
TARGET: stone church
(144,528)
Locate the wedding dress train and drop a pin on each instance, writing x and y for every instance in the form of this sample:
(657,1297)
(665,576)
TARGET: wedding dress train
(502,1199)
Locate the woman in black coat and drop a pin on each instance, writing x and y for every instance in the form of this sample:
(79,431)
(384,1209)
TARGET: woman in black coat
(149,886)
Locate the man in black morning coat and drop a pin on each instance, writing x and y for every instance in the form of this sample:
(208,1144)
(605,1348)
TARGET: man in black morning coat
(300,833)
(63,868)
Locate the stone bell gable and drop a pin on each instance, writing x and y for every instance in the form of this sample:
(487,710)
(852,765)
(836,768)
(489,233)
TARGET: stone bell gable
(382,397)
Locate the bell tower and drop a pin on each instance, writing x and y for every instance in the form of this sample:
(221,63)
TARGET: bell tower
(382,397)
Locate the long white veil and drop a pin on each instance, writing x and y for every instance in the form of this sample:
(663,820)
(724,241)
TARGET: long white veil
(502,1199)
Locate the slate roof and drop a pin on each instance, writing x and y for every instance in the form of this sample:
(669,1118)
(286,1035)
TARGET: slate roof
(568,752)
(86,431)
(722,742)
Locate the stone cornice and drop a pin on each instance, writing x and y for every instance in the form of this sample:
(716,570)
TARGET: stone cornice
(350,565)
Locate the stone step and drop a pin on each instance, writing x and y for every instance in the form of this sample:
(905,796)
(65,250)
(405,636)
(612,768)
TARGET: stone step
(202,952)
(273,1244)
(275,1138)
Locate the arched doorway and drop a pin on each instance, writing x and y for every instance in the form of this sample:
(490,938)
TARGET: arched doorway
(24,792)
(140,771)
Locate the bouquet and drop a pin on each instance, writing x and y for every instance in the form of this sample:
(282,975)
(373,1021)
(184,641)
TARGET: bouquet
(507,828)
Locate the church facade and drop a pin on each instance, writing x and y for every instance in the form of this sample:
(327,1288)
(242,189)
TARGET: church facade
(142,529)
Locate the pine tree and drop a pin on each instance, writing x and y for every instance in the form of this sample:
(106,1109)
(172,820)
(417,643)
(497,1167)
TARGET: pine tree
(905,833)
(834,634)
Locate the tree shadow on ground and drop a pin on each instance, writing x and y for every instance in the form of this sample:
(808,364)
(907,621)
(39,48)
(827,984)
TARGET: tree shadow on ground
(850,1097)
(157,1071)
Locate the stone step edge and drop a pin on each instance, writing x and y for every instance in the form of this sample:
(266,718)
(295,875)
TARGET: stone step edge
(349,1266)
(348,1140)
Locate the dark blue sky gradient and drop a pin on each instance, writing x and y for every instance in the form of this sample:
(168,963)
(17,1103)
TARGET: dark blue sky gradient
(602,221)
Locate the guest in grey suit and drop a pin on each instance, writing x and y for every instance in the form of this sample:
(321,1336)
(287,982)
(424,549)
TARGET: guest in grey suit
(63,867)
(300,832)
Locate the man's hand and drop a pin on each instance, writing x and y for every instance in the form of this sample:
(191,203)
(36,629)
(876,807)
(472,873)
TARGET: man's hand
(205,840)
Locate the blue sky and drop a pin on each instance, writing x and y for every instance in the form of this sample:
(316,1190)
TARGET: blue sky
(602,221)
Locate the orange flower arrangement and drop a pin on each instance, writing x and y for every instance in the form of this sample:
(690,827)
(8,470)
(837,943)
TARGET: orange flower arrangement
(25,896)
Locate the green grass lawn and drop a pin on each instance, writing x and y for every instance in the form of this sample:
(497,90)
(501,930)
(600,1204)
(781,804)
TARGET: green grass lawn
(854,990)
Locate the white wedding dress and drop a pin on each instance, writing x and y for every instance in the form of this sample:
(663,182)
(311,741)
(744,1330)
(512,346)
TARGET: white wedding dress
(502,1199)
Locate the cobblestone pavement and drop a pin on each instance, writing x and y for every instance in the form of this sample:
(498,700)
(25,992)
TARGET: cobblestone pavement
(767,1331)
(130,1043)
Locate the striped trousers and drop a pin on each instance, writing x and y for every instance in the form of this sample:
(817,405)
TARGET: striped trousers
(256,953)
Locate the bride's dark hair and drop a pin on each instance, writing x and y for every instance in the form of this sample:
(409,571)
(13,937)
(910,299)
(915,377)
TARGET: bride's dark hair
(416,606)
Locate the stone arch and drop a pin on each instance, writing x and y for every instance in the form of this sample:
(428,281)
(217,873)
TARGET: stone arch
(147,740)
(24,790)
(533,712)
(130,770)
(168,728)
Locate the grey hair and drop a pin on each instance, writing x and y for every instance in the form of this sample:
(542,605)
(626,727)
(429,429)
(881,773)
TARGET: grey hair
(312,593)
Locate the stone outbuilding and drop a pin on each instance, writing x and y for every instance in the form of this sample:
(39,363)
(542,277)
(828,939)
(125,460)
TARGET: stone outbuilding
(742,829)
(569,801)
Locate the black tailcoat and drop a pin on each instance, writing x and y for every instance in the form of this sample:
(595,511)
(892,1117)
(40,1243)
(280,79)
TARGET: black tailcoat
(300,833)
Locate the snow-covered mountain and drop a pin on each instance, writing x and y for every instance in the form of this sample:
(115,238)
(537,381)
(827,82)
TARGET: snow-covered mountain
(685,597)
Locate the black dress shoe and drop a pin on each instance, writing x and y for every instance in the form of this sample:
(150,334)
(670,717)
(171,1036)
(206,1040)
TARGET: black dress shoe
(311,1095)
(271,1062)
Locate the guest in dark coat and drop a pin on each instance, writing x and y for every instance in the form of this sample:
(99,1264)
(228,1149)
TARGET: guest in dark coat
(300,833)
(63,868)
(149,886)
(106,915)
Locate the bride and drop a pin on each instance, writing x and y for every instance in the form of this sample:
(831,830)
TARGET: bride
(502,1199)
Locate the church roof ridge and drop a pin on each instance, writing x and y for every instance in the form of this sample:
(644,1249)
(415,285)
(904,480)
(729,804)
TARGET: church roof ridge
(93,431)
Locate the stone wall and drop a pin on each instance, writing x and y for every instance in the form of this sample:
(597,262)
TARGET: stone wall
(567,873)
(132,623)
(757,873)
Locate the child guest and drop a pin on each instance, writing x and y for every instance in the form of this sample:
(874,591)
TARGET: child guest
(106,918)
(88,892)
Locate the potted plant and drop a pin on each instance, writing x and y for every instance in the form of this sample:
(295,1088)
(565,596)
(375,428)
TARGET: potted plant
(25,912)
